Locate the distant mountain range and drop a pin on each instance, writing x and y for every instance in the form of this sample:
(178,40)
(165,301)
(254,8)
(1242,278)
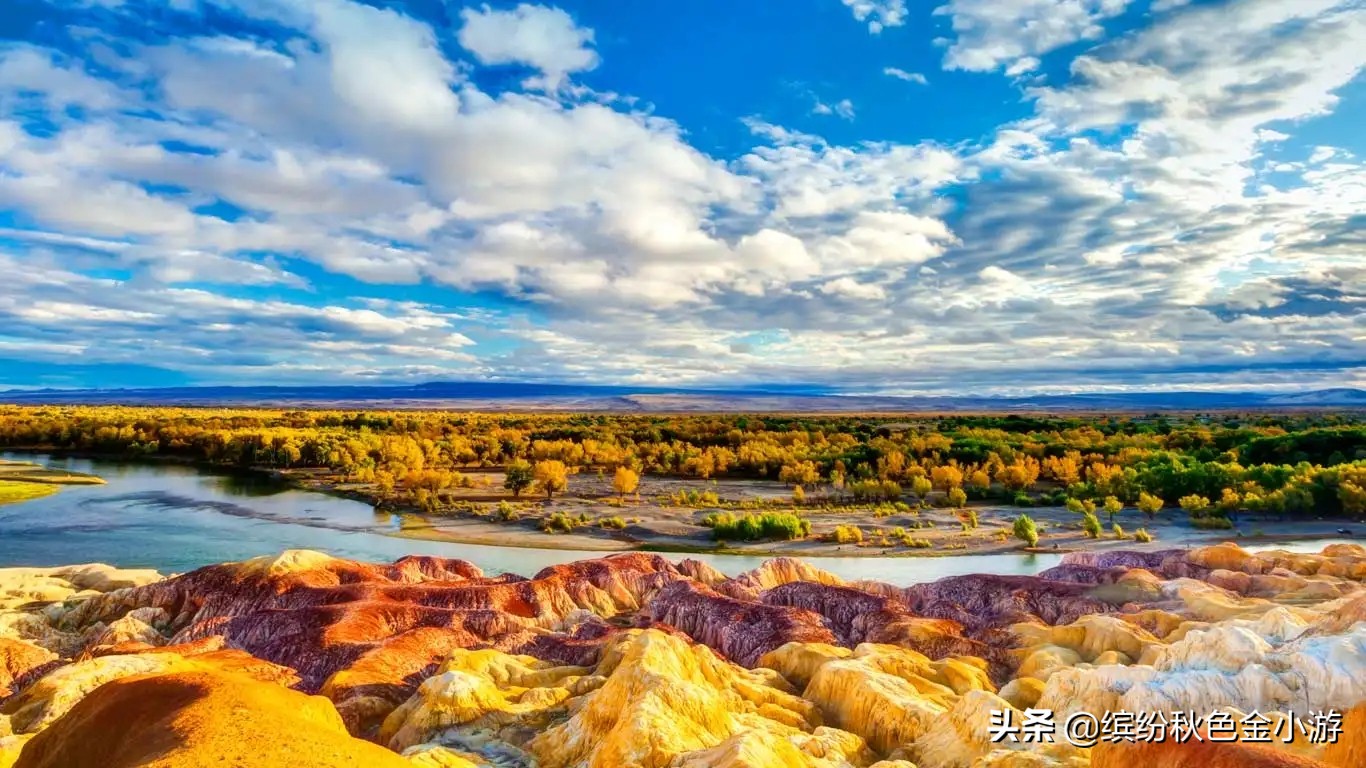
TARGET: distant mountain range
(533,396)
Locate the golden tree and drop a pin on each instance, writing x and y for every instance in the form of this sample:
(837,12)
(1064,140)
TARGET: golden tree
(551,475)
(625,481)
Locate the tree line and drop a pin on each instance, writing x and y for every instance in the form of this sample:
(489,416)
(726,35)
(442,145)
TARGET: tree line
(1266,463)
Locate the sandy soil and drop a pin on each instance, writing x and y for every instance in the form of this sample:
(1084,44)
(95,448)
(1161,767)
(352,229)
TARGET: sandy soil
(655,522)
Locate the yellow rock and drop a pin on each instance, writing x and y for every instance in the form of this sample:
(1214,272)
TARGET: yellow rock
(1089,637)
(891,696)
(138,626)
(285,563)
(52,695)
(798,662)
(1157,622)
(21,586)
(775,573)
(763,749)
(653,700)
(962,735)
(1044,660)
(1002,758)
(1227,556)
(10,747)
(481,690)
(1023,692)
(663,699)
(436,756)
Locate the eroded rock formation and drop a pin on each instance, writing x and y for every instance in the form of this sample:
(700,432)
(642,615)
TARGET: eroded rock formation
(634,660)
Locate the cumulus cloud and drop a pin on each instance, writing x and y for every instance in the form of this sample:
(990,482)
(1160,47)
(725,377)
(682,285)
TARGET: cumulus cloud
(879,14)
(543,38)
(843,108)
(993,33)
(246,199)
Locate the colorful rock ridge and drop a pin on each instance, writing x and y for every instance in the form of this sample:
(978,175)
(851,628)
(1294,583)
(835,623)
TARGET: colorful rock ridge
(635,660)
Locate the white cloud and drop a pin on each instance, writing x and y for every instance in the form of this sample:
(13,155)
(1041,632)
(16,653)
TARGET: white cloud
(849,288)
(1022,66)
(843,108)
(992,33)
(540,37)
(879,14)
(901,74)
(1130,228)
(806,176)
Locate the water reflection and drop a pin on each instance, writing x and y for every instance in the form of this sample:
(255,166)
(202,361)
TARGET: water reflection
(250,484)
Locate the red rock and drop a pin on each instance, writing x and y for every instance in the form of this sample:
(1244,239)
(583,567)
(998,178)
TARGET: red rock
(985,602)
(18,659)
(1167,563)
(740,630)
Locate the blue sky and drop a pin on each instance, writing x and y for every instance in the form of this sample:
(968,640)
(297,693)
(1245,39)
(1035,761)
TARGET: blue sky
(970,196)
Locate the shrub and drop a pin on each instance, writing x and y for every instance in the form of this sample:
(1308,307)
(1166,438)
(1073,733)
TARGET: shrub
(1091,525)
(1022,499)
(752,527)
(1194,503)
(847,534)
(1142,535)
(612,523)
(505,512)
(1149,504)
(1026,531)
(559,522)
(692,498)
(1119,532)
(1212,523)
(874,490)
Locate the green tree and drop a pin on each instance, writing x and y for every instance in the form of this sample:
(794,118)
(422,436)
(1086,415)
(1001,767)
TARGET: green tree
(518,477)
(1026,531)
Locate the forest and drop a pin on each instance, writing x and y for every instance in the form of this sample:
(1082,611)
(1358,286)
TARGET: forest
(1211,465)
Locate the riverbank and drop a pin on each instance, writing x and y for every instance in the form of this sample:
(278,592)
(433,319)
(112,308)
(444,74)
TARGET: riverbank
(653,520)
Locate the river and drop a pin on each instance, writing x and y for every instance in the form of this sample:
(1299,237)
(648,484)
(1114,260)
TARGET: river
(175,518)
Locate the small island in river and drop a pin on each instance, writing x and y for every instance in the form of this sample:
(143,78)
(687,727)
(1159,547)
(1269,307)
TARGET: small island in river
(22,481)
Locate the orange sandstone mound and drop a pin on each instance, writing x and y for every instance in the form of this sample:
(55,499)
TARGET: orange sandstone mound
(200,719)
